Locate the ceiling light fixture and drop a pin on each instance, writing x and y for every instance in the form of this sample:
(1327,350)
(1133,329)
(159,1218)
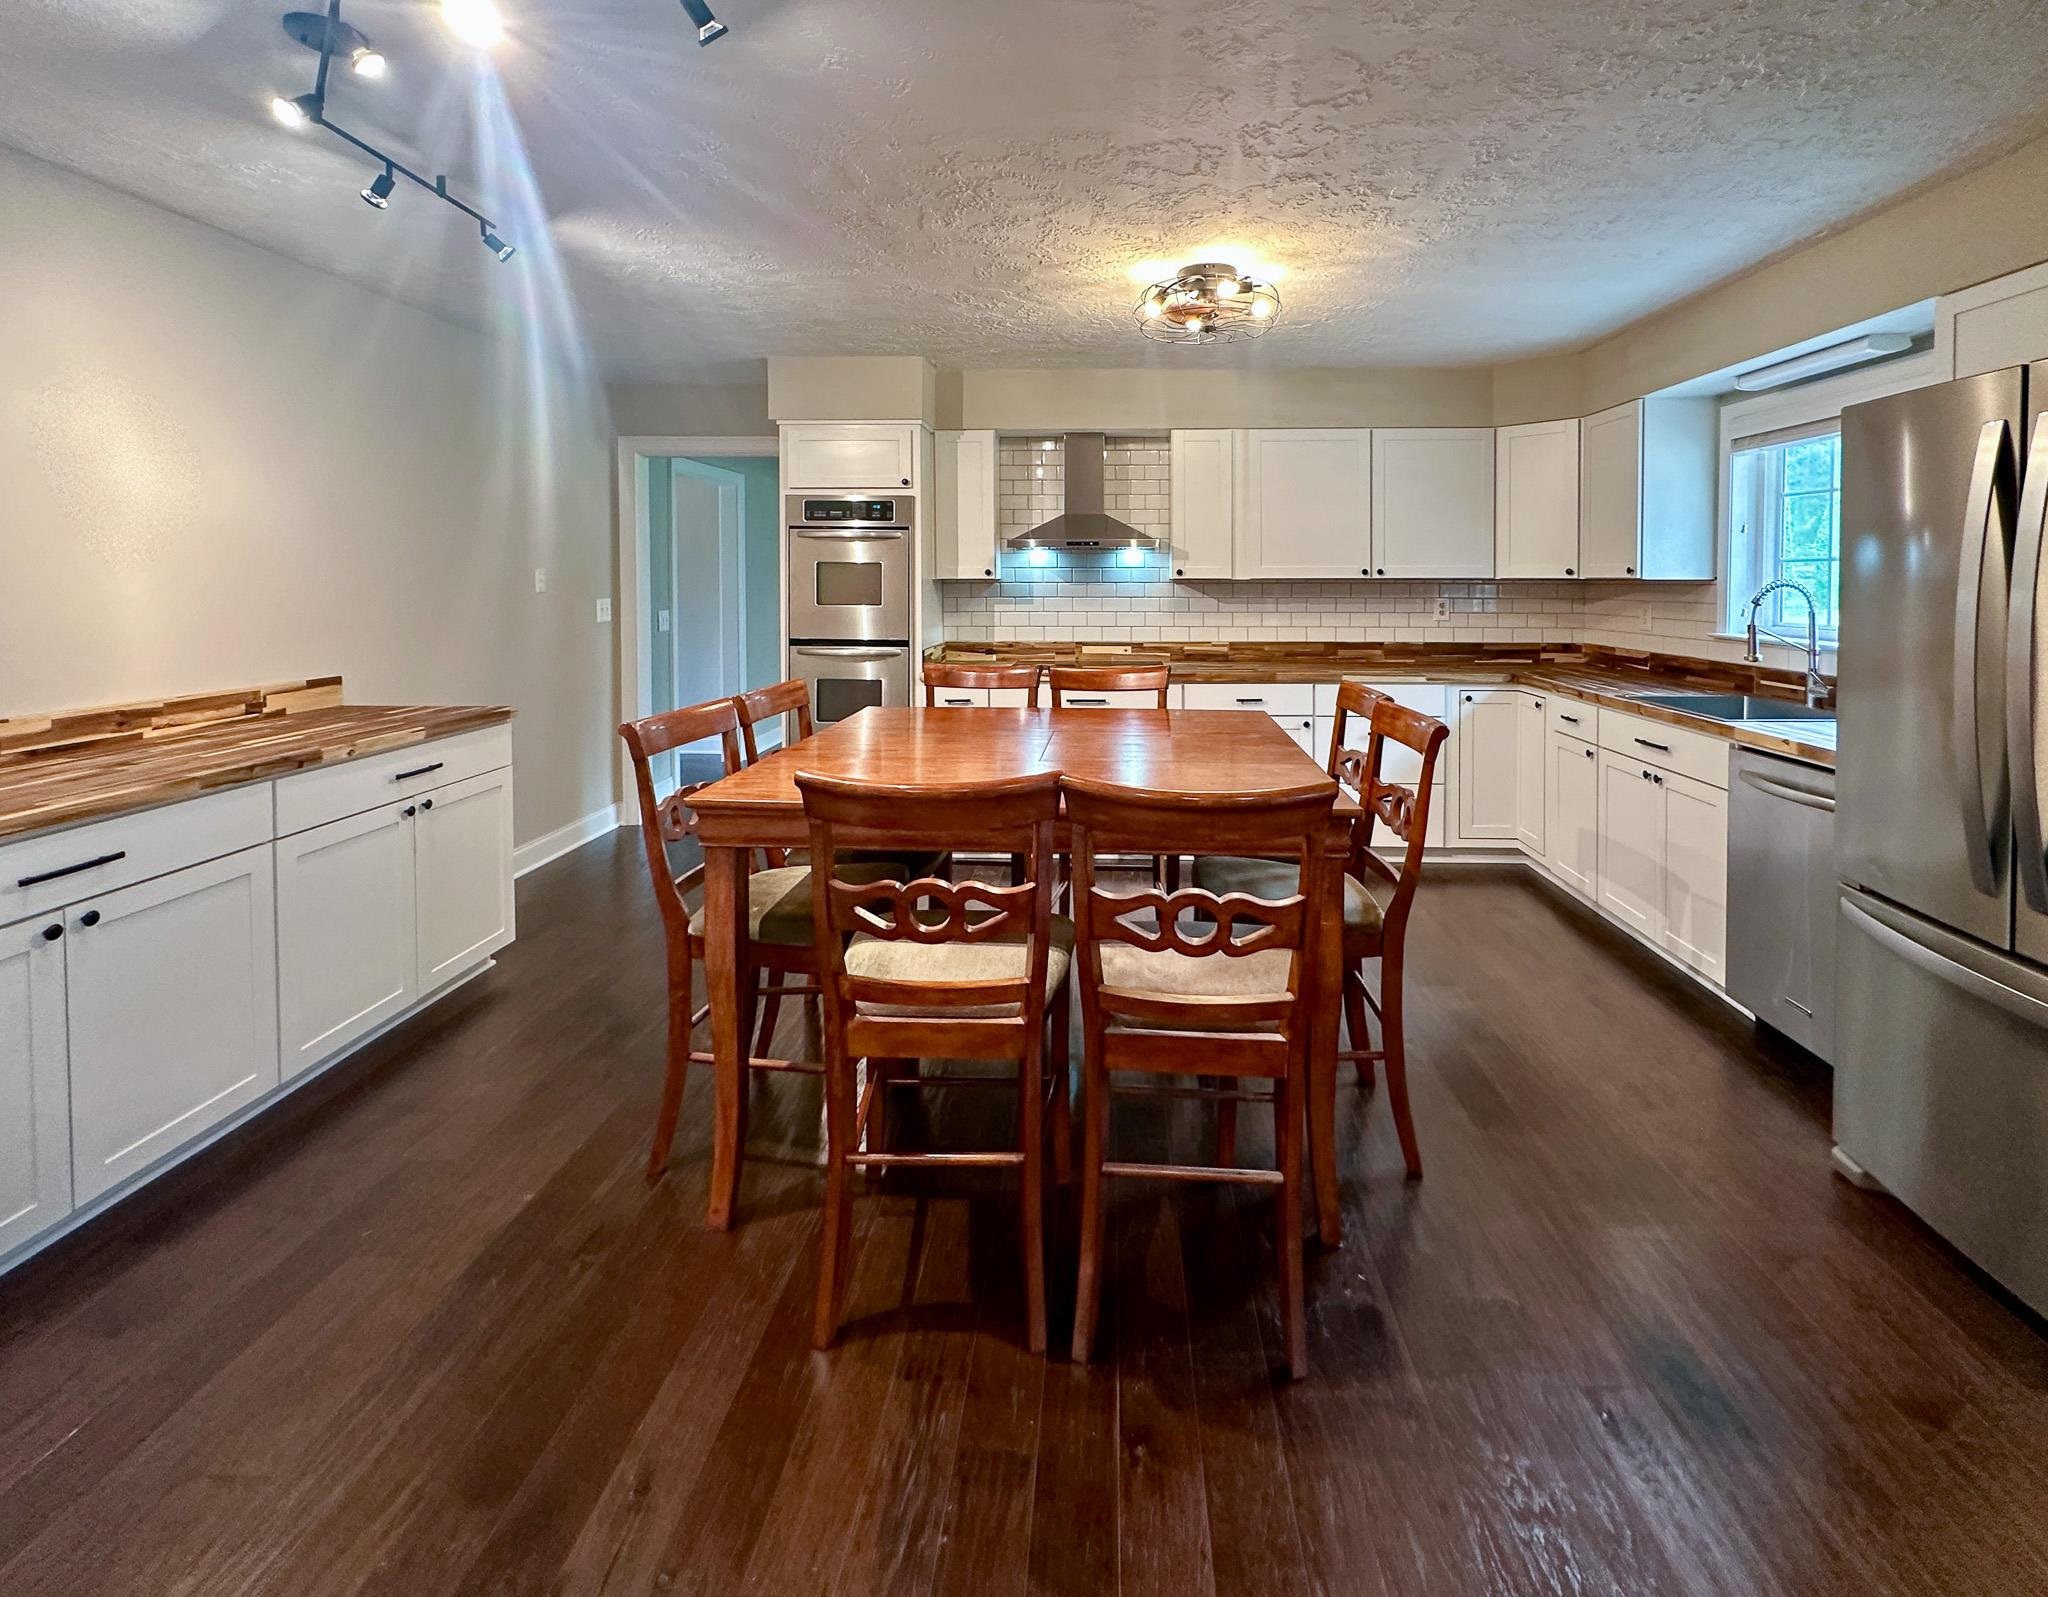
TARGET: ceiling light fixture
(1210,302)
(333,38)
(708,26)
(1834,358)
(473,21)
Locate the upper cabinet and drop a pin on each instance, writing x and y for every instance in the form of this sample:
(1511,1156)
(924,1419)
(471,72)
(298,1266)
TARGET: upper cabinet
(964,504)
(839,455)
(1304,503)
(1202,500)
(1432,502)
(2000,323)
(1646,491)
(1536,499)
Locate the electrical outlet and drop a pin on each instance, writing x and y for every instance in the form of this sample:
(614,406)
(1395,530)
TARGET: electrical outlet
(540,579)
(1649,620)
(661,621)
(604,610)
(1441,610)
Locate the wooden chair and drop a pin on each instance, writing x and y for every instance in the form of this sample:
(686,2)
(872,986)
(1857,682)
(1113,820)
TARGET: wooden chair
(938,675)
(778,905)
(1073,686)
(1377,895)
(1191,981)
(932,969)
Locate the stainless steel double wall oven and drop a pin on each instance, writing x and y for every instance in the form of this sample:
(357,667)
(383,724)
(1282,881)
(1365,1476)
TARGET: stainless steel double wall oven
(851,570)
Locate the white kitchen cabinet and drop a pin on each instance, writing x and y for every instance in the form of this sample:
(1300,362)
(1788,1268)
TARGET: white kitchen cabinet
(1631,845)
(35,1108)
(1488,734)
(964,506)
(462,859)
(346,942)
(1202,501)
(1304,503)
(1432,501)
(1693,916)
(1536,499)
(1531,734)
(1647,479)
(841,455)
(171,1004)
(1571,811)
(2003,322)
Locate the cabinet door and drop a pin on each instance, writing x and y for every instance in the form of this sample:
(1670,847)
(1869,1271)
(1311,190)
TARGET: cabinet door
(1536,500)
(964,488)
(1631,808)
(1432,501)
(1610,491)
(1694,910)
(848,454)
(1532,731)
(1202,504)
(171,996)
(35,1091)
(462,860)
(1305,503)
(345,956)
(1489,764)
(1571,811)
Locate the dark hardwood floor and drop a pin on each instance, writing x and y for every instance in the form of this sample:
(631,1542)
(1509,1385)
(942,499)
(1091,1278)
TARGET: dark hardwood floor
(427,1331)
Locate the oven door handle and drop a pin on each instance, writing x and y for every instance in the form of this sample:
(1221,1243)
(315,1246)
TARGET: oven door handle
(847,534)
(845,653)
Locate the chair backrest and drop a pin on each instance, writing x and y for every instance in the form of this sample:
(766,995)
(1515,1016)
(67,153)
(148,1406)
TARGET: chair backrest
(939,674)
(1085,681)
(1404,811)
(761,704)
(671,819)
(1014,815)
(1285,823)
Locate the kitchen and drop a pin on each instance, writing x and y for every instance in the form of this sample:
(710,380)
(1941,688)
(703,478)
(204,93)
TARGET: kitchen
(1533,462)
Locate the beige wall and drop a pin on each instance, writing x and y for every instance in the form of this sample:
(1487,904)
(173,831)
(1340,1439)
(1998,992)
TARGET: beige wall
(221,467)
(851,388)
(1354,396)
(684,410)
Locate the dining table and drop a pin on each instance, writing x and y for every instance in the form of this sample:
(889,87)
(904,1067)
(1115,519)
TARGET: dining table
(1168,751)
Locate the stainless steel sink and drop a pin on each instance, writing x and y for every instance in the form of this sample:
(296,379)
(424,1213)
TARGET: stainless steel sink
(1735,707)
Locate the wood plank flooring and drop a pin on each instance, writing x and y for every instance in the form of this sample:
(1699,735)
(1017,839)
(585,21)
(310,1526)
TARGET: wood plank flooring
(427,1331)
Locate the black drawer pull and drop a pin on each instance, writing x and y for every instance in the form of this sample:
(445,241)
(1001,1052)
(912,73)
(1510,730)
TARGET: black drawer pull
(71,870)
(407,776)
(1251,701)
(1661,748)
(1570,720)
(1089,703)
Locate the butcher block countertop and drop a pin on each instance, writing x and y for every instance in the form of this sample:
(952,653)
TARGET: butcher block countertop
(1613,678)
(83,765)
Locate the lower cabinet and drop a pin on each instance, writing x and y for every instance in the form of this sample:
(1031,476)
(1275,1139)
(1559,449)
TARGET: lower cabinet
(171,1004)
(1532,731)
(1631,845)
(35,1104)
(1571,812)
(462,853)
(1664,860)
(1488,734)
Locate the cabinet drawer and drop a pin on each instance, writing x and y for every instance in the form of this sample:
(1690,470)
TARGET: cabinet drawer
(40,873)
(1671,748)
(1285,699)
(312,798)
(1425,697)
(1113,699)
(1574,718)
(969,698)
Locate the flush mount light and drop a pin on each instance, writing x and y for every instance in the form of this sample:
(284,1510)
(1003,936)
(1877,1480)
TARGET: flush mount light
(473,21)
(1836,357)
(379,191)
(708,26)
(1210,302)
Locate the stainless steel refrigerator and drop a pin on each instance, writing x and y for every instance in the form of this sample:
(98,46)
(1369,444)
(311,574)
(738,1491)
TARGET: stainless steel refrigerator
(1941,1086)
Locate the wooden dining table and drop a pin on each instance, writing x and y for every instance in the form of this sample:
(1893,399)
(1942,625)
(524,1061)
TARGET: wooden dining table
(1176,751)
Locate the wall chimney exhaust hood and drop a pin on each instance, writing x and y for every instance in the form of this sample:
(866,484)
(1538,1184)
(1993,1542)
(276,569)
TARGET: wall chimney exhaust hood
(1084,524)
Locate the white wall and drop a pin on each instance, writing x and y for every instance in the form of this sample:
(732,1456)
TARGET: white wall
(221,468)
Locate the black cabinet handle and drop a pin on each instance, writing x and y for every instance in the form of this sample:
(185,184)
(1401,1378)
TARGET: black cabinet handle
(1569,572)
(1383,571)
(1572,720)
(1365,571)
(1589,754)
(1180,571)
(410,810)
(426,804)
(422,770)
(90,918)
(52,933)
(1251,701)
(71,870)
(988,571)
(1631,570)
(906,482)
(1658,780)
(1661,748)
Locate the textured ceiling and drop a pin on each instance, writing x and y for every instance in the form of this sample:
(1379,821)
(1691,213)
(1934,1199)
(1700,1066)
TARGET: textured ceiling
(1465,180)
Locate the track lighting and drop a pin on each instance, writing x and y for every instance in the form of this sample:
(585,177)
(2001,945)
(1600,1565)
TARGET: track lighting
(367,63)
(379,191)
(297,111)
(473,21)
(496,245)
(708,26)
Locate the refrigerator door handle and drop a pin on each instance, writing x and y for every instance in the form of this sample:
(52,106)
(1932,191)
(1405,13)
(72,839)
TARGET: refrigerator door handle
(2022,666)
(1983,823)
(1950,967)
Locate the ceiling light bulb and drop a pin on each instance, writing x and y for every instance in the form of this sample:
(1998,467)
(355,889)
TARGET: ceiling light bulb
(473,21)
(498,246)
(1262,308)
(379,191)
(368,63)
(1154,307)
(1228,287)
(297,112)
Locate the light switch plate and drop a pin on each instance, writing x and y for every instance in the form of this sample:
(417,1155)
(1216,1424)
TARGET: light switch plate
(661,621)
(540,579)
(604,610)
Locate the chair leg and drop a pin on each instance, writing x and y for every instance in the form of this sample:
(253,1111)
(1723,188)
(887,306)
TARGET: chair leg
(1396,1048)
(1169,873)
(1031,1197)
(1062,1089)
(1290,1106)
(1226,1120)
(1017,870)
(1095,1133)
(771,1011)
(835,1236)
(682,1000)
(1354,1022)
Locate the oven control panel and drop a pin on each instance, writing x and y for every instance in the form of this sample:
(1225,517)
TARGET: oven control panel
(866,512)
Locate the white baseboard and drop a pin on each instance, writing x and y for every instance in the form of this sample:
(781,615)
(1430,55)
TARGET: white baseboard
(553,845)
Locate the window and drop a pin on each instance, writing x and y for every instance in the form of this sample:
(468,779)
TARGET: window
(1785,505)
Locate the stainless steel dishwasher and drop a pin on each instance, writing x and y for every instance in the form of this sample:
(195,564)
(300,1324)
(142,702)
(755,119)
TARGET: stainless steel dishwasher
(1782,889)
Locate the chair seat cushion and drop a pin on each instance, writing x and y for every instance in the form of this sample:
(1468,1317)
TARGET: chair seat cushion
(1005,959)
(1365,903)
(1168,973)
(778,906)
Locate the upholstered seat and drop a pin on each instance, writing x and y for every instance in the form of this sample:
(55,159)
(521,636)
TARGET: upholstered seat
(1365,903)
(1171,974)
(779,900)
(1005,959)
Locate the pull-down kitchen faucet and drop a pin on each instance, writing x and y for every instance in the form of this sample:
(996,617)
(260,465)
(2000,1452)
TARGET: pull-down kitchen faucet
(1816,682)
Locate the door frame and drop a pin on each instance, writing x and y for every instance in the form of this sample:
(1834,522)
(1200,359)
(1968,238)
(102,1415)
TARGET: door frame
(635,629)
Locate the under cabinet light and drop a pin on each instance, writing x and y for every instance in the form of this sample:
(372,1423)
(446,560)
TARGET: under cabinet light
(1834,358)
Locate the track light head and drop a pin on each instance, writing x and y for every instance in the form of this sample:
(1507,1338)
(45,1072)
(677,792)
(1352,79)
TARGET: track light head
(368,63)
(379,191)
(473,21)
(496,245)
(297,111)
(708,26)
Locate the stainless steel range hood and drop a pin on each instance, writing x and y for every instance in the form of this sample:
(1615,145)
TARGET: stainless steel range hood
(1084,524)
